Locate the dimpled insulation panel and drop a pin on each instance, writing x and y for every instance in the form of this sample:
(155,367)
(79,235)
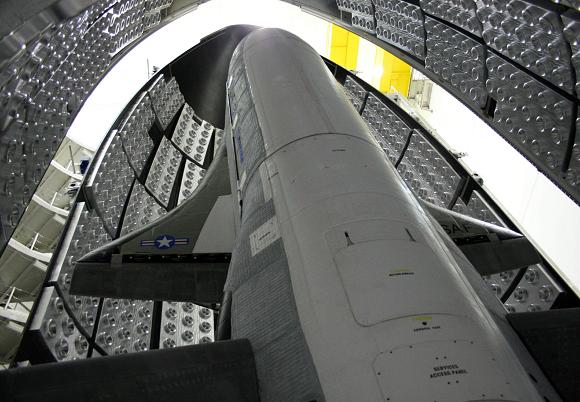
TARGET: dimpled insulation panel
(45,75)
(134,130)
(355,93)
(126,24)
(191,136)
(461,13)
(191,179)
(499,283)
(125,326)
(361,13)
(167,99)
(530,35)
(536,291)
(185,323)
(401,24)
(89,234)
(57,329)
(427,173)
(457,60)
(110,192)
(388,129)
(142,209)
(572,34)
(533,117)
(163,171)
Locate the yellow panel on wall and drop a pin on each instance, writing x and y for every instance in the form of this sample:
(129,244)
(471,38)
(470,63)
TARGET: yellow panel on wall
(395,73)
(388,71)
(343,47)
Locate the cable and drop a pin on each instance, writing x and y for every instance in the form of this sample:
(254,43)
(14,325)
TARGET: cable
(81,329)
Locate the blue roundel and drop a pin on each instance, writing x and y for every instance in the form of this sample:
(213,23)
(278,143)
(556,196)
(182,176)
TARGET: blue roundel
(164,242)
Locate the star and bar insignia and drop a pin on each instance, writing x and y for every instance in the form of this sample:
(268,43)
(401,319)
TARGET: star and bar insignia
(165,242)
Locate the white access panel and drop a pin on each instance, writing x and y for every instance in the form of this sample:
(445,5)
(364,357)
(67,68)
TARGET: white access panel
(446,370)
(376,273)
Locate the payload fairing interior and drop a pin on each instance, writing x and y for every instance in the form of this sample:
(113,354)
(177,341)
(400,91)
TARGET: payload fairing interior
(260,224)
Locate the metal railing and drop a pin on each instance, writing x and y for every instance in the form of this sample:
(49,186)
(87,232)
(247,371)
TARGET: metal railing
(15,297)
